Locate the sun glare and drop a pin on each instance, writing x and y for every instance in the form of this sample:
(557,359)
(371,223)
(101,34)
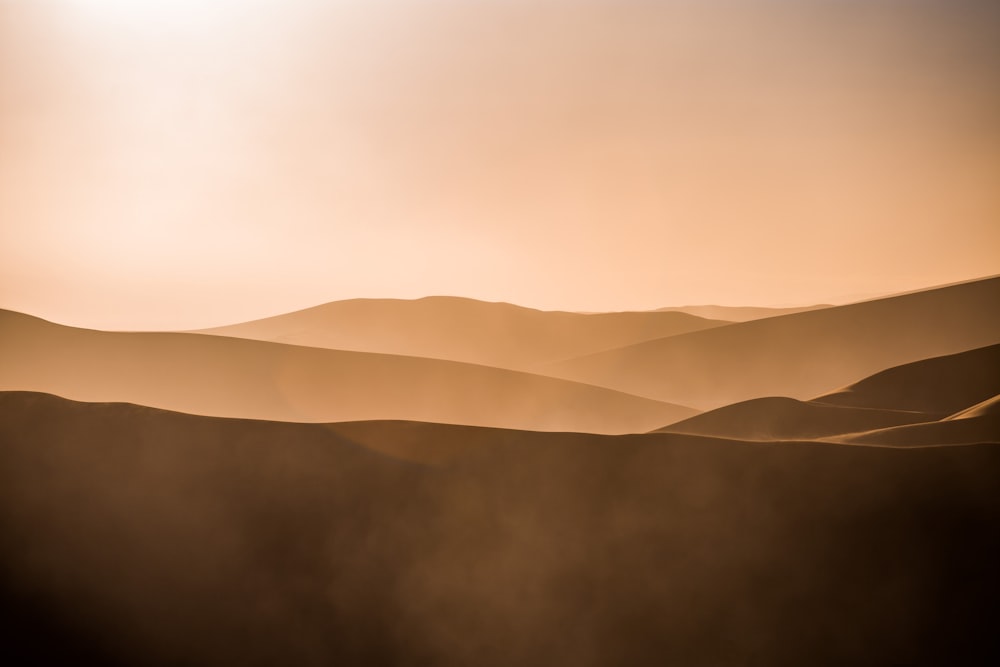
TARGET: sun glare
(162,13)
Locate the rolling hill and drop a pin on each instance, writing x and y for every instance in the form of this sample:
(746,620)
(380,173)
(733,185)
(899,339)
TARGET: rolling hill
(479,332)
(134,536)
(228,377)
(799,355)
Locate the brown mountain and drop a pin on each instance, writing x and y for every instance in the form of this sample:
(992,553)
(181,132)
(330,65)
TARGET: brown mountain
(799,355)
(213,375)
(491,334)
(133,536)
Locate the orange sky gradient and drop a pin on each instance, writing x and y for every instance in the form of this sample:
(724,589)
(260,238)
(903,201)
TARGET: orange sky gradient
(182,164)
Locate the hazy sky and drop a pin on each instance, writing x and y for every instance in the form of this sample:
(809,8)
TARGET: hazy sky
(183,163)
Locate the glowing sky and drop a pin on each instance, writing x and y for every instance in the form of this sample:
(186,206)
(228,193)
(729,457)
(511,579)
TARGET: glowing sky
(183,163)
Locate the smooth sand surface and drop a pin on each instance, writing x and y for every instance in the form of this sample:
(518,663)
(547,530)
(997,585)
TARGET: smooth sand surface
(228,377)
(947,431)
(941,384)
(990,406)
(133,536)
(922,391)
(800,355)
(491,334)
(739,313)
(777,418)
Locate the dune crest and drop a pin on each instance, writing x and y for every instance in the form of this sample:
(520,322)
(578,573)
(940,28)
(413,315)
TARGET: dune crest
(799,355)
(459,329)
(229,377)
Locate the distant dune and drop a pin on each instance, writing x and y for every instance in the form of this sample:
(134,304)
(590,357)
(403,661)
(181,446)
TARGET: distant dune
(213,375)
(799,355)
(739,313)
(777,418)
(479,332)
(133,536)
(941,384)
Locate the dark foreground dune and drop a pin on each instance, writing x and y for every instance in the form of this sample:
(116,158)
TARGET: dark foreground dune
(478,332)
(801,355)
(133,536)
(229,377)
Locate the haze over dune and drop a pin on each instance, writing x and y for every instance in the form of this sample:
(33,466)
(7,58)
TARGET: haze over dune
(946,384)
(492,334)
(133,536)
(739,313)
(213,375)
(799,355)
(954,386)
(778,418)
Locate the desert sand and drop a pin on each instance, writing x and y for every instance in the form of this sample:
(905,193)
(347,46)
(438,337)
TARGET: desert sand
(228,377)
(134,536)
(491,334)
(739,313)
(928,390)
(800,355)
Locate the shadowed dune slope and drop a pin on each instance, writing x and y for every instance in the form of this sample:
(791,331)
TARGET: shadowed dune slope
(778,418)
(139,537)
(799,355)
(985,428)
(922,391)
(229,377)
(941,384)
(739,313)
(990,406)
(492,334)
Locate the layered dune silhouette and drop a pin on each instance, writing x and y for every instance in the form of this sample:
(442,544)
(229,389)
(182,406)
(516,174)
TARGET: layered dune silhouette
(946,384)
(779,418)
(303,506)
(479,332)
(739,313)
(922,391)
(228,377)
(799,355)
(135,536)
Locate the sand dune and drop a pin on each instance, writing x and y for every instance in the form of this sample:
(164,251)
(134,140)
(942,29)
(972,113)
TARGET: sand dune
(990,406)
(922,391)
(139,537)
(799,355)
(941,384)
(777,418)
(985,428)
(491,334)
(229,377)
(739,313)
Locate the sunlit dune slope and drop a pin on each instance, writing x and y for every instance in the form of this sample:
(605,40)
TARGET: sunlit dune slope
(213,375)
(134,536)
(492,334)
(799,355)
(990,406)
